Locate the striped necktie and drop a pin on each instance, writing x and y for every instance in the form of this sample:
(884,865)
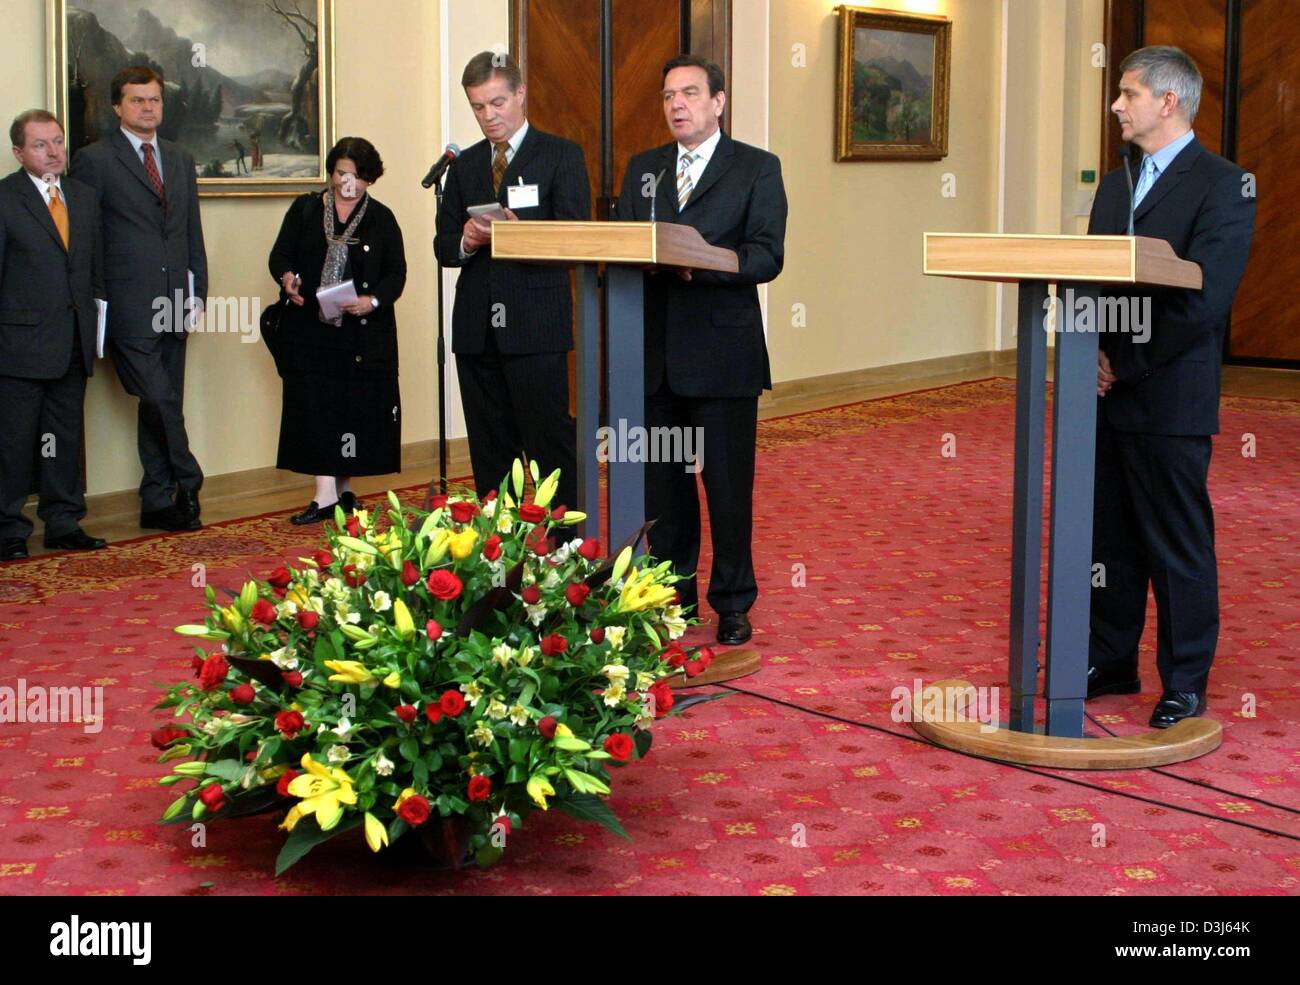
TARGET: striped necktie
(684,183)
(151,168)
(499,165)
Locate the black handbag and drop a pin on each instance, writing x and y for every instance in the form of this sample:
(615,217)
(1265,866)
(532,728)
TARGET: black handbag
(272,333)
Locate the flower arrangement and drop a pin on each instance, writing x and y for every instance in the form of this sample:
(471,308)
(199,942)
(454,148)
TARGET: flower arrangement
(452,663)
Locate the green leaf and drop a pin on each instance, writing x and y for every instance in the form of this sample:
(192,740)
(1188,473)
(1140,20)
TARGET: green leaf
(488,855)
(588,808)
(410,749)
(305,836)
(642,740)
(571,744)
(519,750)
(420,774)
(584,782)
(517,774)
(433,760)
(226,769)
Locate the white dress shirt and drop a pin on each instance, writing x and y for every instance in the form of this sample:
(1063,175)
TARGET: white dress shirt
(696,168)
(137,143)
(44,189)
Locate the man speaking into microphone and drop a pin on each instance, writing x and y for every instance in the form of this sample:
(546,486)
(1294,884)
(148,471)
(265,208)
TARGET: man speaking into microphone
(512,323)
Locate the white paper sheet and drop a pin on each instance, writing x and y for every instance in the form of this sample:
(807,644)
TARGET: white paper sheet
(101,326)
(333,298)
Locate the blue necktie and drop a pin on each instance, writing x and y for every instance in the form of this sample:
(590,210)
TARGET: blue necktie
(1145,180)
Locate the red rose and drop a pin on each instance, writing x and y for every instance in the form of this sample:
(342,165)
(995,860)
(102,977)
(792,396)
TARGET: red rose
(282,787)
(352,576)
(557,514)
(705,655)
(290,723)
(213,672)
(619,747)
(503,824)
(438,502)
(307,619)
(163,737)
(212,796)
(263,612)
(694,668)
(537,542)
(663,695)
(353,525)
(480,788)
(531,595)
(554,644)
(279,577)
(577,594)
(410,574)
(463,512)
(406,713)
(598,635)
(243,694)
(196,664)
(433,712)
(434,629)
(452,703)
(414,810)
(492,548)
(323,558)
(674,655)
(444,585)
(589,549)
(491,495)
(532,513)
(292,677)
(547,727)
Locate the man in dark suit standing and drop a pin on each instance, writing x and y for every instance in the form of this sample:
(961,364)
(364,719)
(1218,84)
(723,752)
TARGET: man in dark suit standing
(512,323)
(51,271)
(706,357)
(153,242)
(1159,394)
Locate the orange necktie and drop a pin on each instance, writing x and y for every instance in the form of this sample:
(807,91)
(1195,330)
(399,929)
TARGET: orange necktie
(59,213)
(499,166)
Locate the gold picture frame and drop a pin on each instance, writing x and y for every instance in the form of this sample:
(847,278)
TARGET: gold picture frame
(891,85)
(262,128)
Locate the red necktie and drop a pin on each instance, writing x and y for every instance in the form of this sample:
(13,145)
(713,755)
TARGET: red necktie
(151,166)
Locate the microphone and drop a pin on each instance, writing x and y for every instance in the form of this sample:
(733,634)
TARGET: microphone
(655,197)
(440,166)
(1128,177)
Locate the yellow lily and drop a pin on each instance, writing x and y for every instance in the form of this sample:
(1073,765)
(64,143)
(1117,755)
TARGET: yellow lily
(231,619)
(539,788)
(437,547)
(349,672)
(324,790)
(402,620)
(376,833)
(641,592)
(393,680)
(462,544)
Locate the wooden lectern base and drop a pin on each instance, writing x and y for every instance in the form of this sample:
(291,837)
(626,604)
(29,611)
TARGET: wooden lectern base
(1189,739)
(727,666)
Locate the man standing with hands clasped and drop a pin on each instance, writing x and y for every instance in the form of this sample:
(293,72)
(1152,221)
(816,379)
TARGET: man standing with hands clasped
(1159,397)
(705,354)
(512,323)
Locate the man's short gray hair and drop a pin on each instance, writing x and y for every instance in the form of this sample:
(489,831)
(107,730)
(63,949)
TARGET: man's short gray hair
(1163,68)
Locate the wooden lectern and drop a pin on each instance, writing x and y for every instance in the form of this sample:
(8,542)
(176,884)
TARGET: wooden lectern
(626,249)
(1041,264)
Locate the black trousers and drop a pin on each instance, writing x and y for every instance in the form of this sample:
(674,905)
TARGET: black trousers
(1153,525)
(43,418)
(153,369)
(517,406)
(727,434)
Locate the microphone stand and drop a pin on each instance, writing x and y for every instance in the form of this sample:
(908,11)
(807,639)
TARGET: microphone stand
(440,480)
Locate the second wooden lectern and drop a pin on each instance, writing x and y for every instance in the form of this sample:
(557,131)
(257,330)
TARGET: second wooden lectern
(1072,267)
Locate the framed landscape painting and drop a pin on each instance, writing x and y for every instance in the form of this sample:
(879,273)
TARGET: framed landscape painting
(249,83)
(891,86)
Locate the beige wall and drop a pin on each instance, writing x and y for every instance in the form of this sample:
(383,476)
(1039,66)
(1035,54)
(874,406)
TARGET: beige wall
(853,249)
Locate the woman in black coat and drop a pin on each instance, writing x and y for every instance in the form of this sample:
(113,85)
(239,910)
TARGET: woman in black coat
(342,412)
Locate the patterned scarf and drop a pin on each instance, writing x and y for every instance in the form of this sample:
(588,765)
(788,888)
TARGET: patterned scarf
(336,256)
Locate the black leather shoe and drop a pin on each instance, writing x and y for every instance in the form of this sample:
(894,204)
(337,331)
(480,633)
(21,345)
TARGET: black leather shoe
(168,518)
(313,514)
(187,503)
(1174,706)
(733,628)
(1112,682)
(75,539)
(349,502)
(13,548)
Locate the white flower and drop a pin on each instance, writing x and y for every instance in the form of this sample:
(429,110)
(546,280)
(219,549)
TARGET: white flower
(614,635)
(564,551)
(339,754)
(483,735)
(286,608)
(552,579)
(334,588)
(644,680)
(502,654)
(383,765)
(503,523)
(284,660)
(525,656)
(617,673)
(343,729)
(519,715)
(381,602)
(496,709)
(473,693)
(674,621)
(490,508)
(536,613)
(613,695)
(213,725)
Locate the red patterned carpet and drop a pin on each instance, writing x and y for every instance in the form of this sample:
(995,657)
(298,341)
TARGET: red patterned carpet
(880,561)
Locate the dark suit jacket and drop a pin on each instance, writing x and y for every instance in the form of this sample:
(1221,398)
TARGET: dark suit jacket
(47,293)
(706,334)
(538,312)
(377,265)
(1170,383)
(148,248)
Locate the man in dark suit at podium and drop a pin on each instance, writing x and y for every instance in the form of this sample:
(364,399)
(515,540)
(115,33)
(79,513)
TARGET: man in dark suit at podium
(512,323)
(1159,394)
(705,355)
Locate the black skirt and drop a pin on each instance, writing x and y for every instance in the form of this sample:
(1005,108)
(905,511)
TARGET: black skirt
(341,424)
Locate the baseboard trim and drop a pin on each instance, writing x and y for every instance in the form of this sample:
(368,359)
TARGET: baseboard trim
(897,373)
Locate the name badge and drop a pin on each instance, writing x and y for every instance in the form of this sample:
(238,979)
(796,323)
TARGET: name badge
(521,196)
